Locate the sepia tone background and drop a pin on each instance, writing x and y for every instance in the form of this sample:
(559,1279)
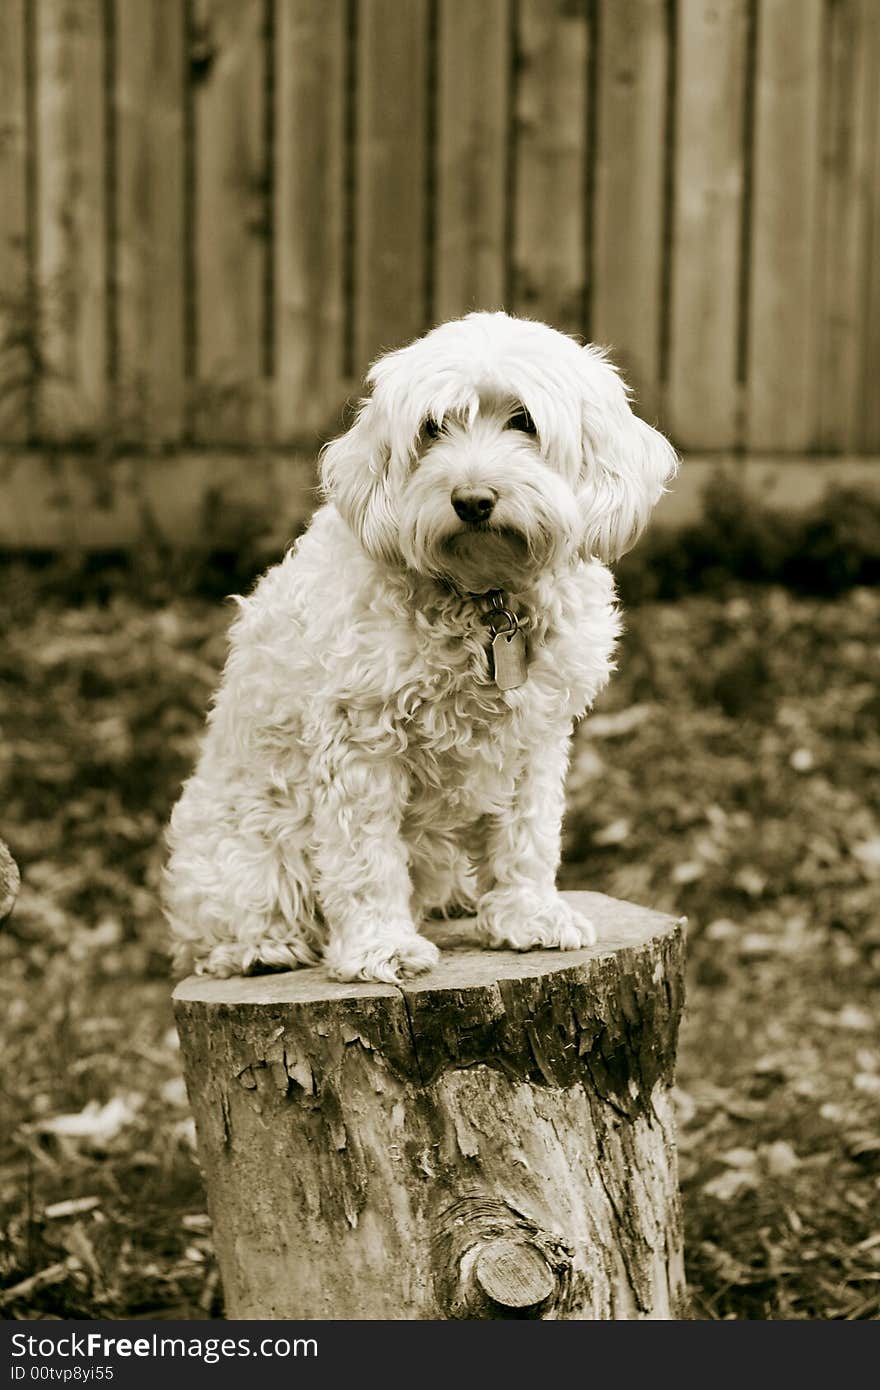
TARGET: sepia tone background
(213,213)
(216,213)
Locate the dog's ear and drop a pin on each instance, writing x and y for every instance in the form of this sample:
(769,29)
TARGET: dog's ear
(354,476)
(626,464)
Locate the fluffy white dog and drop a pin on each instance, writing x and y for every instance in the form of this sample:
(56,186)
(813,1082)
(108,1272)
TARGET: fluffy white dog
(391,734)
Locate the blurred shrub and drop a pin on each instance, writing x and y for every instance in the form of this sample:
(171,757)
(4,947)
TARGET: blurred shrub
(823,549)
(154,571)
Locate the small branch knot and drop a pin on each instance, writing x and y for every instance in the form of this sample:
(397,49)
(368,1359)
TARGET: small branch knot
(513,1274)
(493,1261)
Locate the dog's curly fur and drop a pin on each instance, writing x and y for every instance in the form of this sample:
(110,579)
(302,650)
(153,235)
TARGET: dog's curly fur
(361,767)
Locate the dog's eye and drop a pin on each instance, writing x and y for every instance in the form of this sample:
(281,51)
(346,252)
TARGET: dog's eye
(521,420)
(431,429)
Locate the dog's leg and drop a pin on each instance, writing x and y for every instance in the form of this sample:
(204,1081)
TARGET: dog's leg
(361,864)
(442,878)
(520,907)
(237,885)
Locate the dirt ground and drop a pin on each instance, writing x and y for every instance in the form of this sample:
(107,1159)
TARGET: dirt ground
(730,773)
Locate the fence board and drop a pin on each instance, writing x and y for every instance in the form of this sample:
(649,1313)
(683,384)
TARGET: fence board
(548,279)
(391,249)
(309,153)
(472,167)
(229,73)
(703,394)
(317,179)
(15,309)
(782,308)
(71,245)
(629,190)
(149,219)
(870,344)
(843,231)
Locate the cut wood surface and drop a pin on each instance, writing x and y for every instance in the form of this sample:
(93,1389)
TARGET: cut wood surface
(493,1139)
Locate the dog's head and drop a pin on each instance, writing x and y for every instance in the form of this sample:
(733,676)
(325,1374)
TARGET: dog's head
(492,448)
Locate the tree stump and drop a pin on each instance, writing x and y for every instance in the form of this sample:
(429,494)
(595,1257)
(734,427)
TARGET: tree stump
(9,881)
(492,1140)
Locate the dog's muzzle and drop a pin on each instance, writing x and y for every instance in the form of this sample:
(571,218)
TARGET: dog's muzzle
(474,505)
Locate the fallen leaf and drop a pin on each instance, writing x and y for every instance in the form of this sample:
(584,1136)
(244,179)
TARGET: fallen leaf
(688,872)
(868,853)
(96,1124)
(802,760)
(722,929)
(613,834)
(751,881)
(173,1092)
(779,1158)
(739,1158)
(727,1269)
(757,944)
(732,1183)
(855,1019)
(620,723)
(868,1082)
(196,1221)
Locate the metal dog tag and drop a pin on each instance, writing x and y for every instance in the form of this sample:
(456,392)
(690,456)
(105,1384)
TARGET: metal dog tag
(509,663)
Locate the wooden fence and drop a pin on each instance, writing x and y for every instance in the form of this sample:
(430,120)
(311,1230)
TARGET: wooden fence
(214,213)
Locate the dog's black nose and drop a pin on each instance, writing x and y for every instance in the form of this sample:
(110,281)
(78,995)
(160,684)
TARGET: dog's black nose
(474,504)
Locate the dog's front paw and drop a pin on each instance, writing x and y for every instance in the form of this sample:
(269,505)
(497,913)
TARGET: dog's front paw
(387,959)
(522,919)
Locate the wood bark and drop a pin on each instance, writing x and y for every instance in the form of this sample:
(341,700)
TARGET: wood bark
(491,1140)
(9,881)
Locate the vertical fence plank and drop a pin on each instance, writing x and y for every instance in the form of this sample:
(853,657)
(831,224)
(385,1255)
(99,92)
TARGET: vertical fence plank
(549,232)
(71,268)
(703,392)
(846,163)
(309,309)
(472,156)
(477,221)
(229,74)
(870,338)
(15,309)
(391,251)
(782,310)
(629,190)
(149,219)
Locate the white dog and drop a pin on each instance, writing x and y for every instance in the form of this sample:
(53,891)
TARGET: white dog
(391,734)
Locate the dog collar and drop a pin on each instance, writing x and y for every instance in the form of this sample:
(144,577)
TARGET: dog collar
(508,653)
